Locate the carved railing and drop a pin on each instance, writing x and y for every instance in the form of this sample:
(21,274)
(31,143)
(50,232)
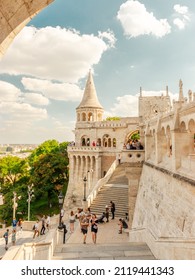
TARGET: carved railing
(101,183)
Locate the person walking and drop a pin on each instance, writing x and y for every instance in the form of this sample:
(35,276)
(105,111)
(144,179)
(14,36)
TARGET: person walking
(94,227)
(112,208)
(84,228)
(43,225)
(72,221)
(36,229)
(13,237)
(6,237)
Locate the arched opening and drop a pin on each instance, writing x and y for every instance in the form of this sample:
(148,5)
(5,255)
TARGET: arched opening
(105,140)
(99,117)
(99,142)
(114,142)
(90,117)
(83,117)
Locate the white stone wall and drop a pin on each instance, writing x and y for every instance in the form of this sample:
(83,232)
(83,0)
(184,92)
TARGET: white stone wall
(165,205)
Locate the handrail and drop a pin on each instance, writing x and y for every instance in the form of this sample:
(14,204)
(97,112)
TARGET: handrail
(101,183)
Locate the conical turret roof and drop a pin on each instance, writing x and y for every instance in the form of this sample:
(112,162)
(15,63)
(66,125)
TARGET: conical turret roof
(90,99)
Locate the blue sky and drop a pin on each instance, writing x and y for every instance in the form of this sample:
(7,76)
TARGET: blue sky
(127,44)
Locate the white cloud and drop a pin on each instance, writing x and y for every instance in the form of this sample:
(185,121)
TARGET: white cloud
(55,53)
(53,90)
(183,10)
(35,99)
(22,111)
(136,20)
(182,16)
(109,36)
(8,92)
(179,23)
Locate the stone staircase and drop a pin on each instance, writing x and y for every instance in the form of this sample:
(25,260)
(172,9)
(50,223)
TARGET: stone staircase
(116,190)
(114,251)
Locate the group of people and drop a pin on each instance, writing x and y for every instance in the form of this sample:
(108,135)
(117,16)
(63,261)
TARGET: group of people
(133,145)
(90,220)
(45,224)
(15,224)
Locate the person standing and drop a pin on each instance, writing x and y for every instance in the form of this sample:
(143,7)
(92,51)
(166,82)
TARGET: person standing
(13,237)
(107,213)
(112,208)
(14,223)
(94,228)
(6,237)
(20,225)
(72,221)
(48,220)
(84,228)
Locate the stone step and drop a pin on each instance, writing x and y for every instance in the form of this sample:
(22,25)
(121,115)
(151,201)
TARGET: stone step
(134,251)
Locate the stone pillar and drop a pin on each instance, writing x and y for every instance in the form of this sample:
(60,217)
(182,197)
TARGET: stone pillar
(98,168)
(133,174)
(180,147)
(148,139)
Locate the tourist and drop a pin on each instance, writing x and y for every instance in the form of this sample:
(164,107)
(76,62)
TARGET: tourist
(48,221)
(120,226)
(13,237)
(20,225)
(94,227)
(6,237)
(42,225)
(72,221)
(112,208)
(107,213)
(119,158)
(84,227)
(101,218)
(36,229)
(14,223)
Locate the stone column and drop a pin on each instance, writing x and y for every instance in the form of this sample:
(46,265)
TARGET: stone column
(98,168)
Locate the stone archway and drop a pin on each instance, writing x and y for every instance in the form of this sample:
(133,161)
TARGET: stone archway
(14,15)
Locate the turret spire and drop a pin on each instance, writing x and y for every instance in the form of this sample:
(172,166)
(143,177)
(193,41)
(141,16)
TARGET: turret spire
(90,99)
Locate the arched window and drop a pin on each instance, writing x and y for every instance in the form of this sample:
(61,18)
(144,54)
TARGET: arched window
(83,117)
(88,141)
(105,140)
(90,117)
(98,142)
(109,142)
(114,142)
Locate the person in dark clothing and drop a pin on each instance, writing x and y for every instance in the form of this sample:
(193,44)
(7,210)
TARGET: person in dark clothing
(101,218)
(107,213)
(112,208)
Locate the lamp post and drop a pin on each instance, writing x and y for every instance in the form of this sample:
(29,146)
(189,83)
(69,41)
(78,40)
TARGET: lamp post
(15,204)
(60,201)
(30,196)
(84,180)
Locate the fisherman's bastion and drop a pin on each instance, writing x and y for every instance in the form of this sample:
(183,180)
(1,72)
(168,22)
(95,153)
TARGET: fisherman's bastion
(159,179)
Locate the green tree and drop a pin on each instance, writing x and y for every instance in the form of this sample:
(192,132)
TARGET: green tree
(14,177)
(49,170)
(115,118)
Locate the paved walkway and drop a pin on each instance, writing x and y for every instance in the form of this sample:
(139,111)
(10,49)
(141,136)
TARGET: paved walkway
(21,238)
(107,233)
